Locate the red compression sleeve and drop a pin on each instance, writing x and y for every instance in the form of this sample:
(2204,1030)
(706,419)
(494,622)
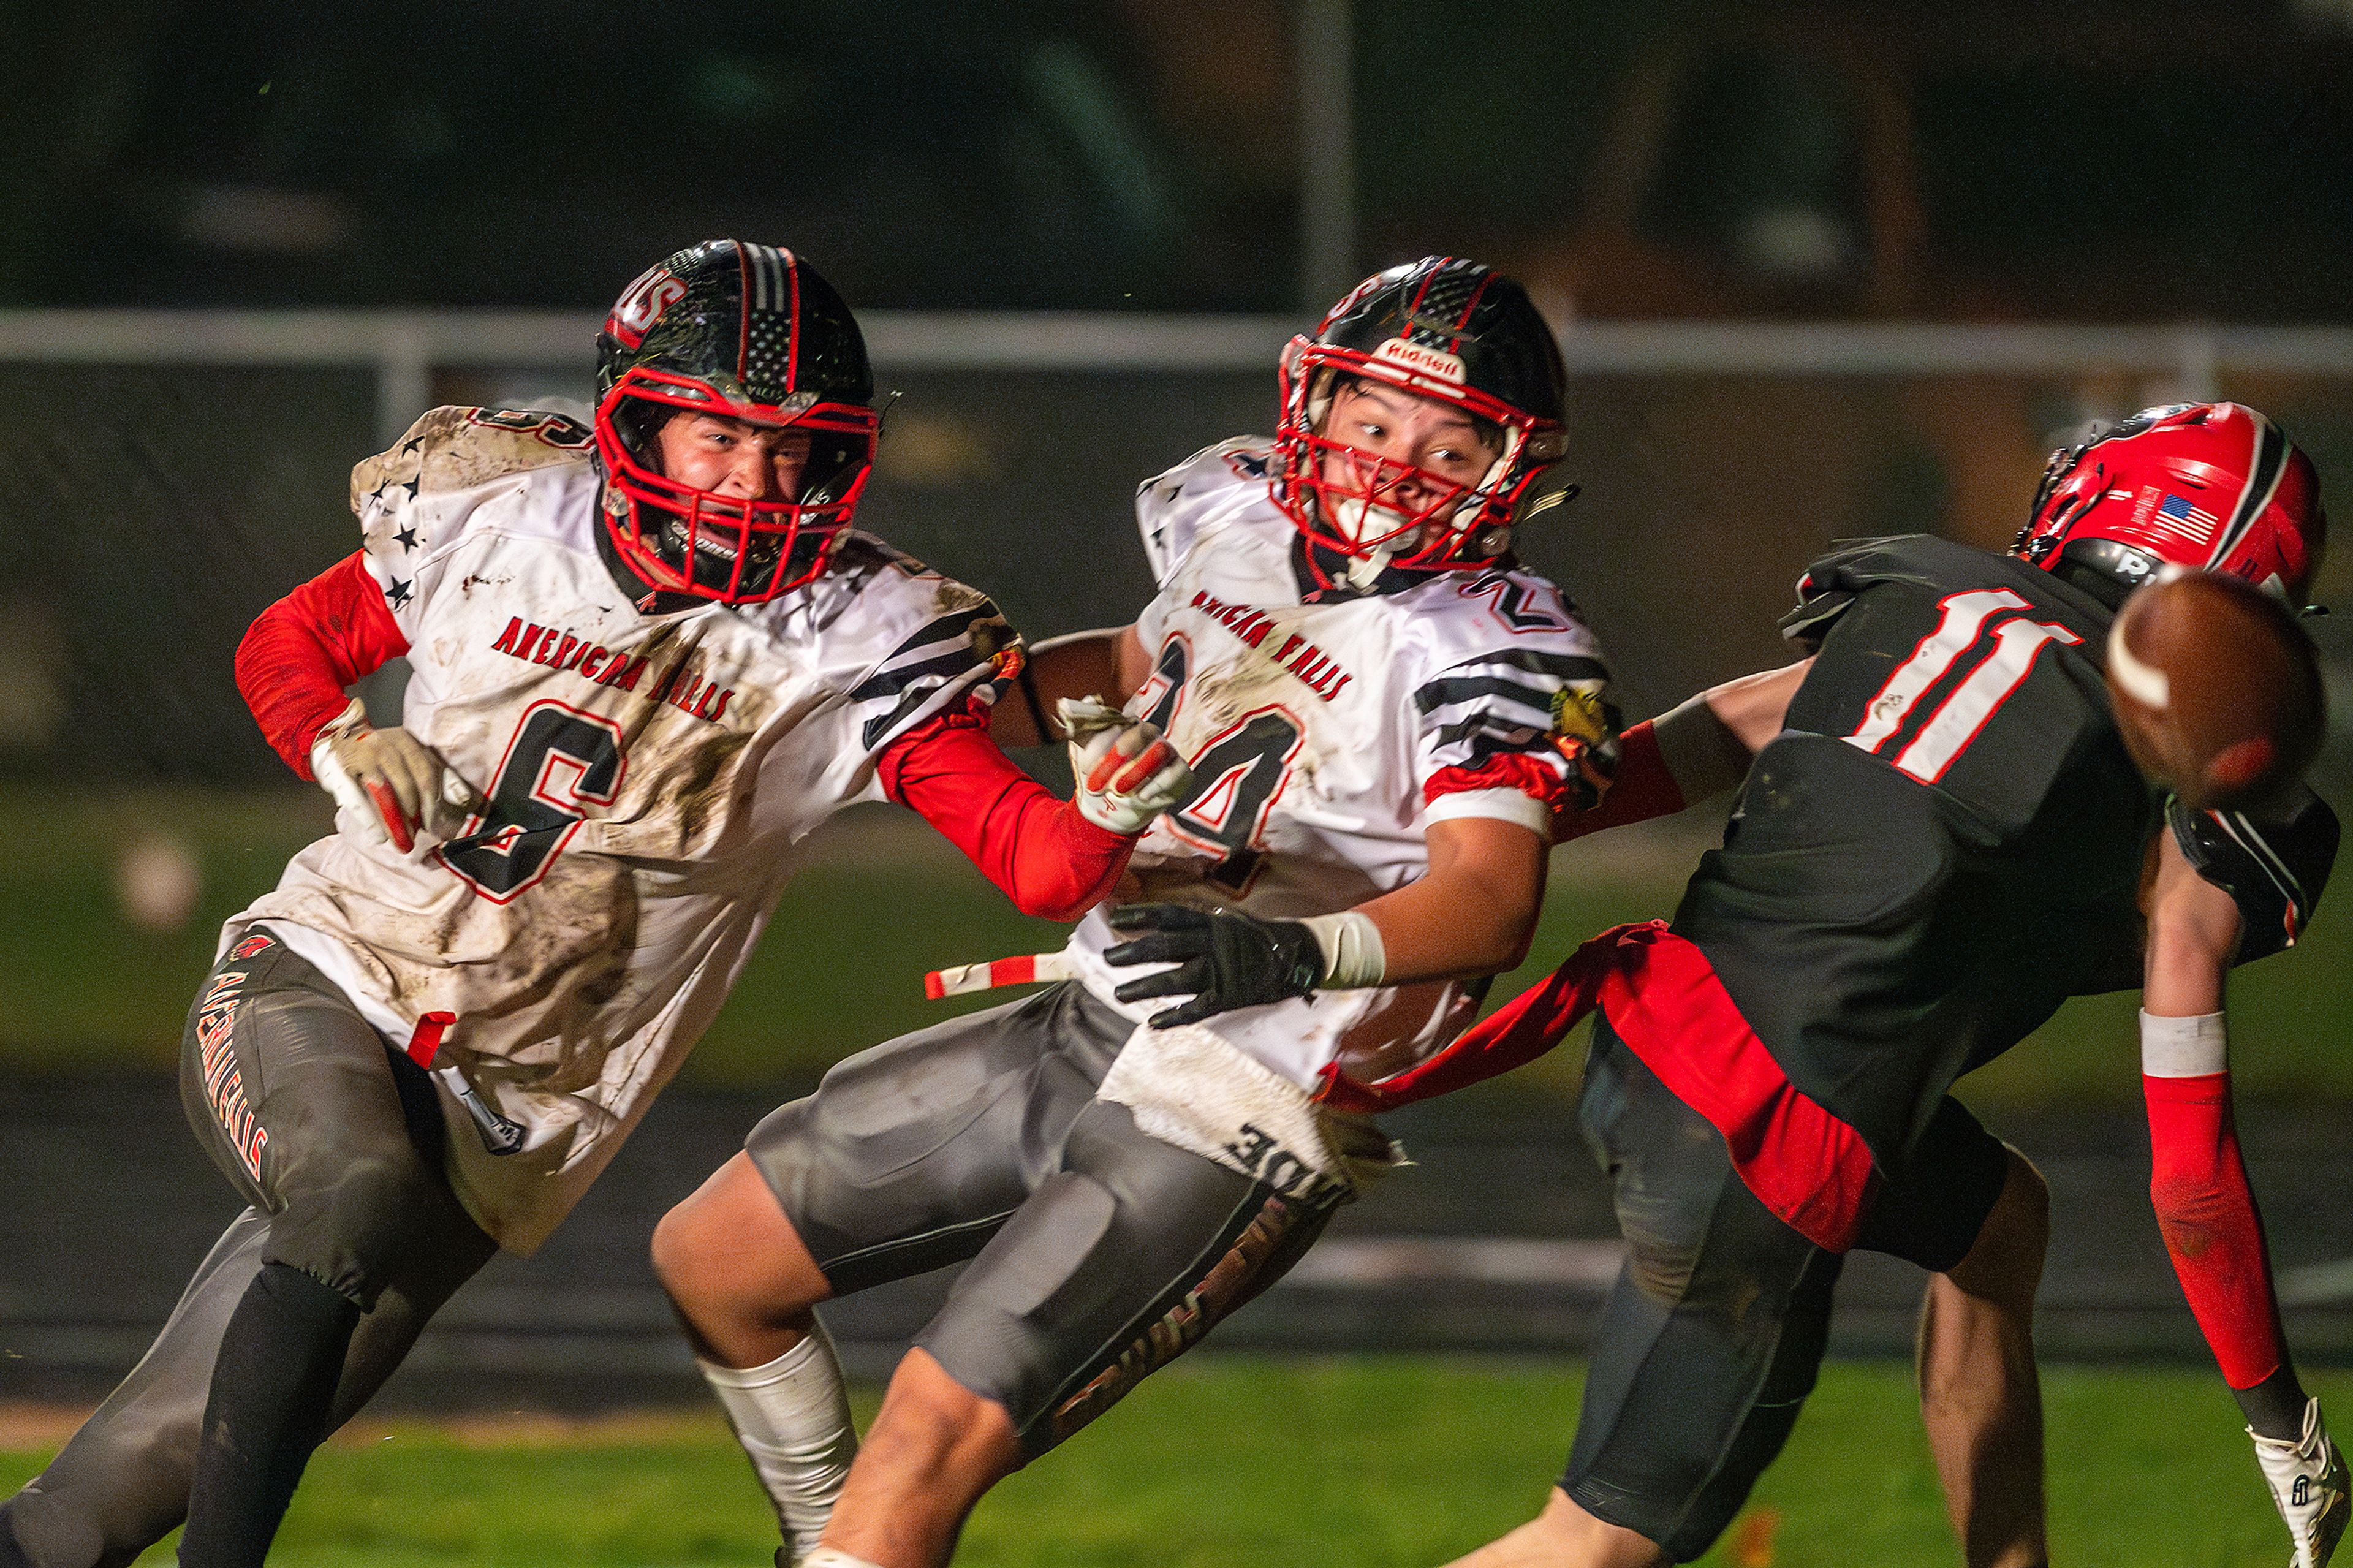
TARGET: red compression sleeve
(1050,860)
(1642,789)
(299,654)
(2199,1185)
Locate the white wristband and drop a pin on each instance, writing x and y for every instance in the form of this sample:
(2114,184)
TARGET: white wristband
(1353,955)
(2183,1047)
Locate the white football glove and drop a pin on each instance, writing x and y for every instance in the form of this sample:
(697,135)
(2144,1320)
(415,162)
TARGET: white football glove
(384,777)
(2308,1488)
(1126,773)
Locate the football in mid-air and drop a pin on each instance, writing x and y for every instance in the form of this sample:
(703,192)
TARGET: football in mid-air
(2217,689)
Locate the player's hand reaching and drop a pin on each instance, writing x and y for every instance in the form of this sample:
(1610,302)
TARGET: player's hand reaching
(1224,958)
(389,781)
(1126,773)
(2308,1488)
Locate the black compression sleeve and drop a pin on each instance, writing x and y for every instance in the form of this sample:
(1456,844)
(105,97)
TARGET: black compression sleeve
(2274,1408)
(273,1388)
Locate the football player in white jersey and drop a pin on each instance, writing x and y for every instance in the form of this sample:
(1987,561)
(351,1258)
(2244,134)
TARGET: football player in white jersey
(650,657)
(1386,716)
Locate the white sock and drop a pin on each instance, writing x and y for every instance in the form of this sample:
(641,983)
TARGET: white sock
(793,1419)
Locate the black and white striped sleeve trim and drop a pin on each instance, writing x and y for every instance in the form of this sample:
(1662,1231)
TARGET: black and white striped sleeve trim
(954,658)
(1502,701)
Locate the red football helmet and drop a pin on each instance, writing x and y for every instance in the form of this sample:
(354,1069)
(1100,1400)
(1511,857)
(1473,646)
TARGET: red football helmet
(2213,485)
(745,331)
(1444,329)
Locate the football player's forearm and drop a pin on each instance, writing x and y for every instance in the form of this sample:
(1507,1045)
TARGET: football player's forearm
(1082,664)
(2197,1187)
(301,652)
(1753,709)
(1035,847)
(1473,914)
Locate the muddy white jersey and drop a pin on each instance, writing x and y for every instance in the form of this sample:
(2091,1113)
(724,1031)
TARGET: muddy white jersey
(647,778)
(1326,731)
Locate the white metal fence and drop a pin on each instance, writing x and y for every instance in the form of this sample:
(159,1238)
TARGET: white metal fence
(402,350)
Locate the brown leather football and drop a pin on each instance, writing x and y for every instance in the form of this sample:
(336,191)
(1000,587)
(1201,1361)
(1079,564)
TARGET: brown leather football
(2217,689)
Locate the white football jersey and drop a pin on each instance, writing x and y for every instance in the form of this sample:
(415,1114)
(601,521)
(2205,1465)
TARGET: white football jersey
(1326,736)
(648,778)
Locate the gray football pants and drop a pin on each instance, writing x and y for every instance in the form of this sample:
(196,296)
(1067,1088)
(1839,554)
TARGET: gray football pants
(322,1084)
(121,1483)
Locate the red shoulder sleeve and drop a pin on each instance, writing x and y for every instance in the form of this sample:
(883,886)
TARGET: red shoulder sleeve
(1642,789)
(1048,859)
(302,652)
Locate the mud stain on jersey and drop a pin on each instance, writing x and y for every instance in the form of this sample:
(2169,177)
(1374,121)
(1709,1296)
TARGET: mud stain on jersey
(1245,682)
(695,794)
(951,597)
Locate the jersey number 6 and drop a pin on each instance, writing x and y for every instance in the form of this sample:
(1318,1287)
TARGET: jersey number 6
(559,760)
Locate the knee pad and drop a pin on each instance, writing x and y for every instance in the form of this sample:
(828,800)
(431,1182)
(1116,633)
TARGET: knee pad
(353,1226)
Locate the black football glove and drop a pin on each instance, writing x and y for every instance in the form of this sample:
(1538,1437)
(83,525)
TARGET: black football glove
(1224,959)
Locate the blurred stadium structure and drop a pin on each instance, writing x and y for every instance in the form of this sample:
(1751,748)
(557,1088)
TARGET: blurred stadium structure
(1717,457)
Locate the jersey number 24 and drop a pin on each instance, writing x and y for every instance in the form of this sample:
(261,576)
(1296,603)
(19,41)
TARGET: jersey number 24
(1236,775)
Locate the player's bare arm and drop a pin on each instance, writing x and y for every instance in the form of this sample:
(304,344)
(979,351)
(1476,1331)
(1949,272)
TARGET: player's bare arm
(2207,1210)
(1471,914)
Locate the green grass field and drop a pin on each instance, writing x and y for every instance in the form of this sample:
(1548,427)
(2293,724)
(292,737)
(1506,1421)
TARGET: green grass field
(1374,1463)
(841,966)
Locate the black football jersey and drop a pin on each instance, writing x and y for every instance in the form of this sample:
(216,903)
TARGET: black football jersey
(1947,840)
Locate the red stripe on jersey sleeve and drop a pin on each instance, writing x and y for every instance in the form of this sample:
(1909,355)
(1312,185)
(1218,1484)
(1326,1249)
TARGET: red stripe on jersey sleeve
(2198,1184)
(1661,996)
(1506,770)
(1045,857)
(302,651)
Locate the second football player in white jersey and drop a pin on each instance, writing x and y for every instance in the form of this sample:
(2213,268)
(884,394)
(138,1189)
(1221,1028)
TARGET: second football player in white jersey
(1385,715)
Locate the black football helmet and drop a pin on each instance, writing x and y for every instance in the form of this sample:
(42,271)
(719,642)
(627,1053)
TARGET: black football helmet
(745,331)
(1441,328)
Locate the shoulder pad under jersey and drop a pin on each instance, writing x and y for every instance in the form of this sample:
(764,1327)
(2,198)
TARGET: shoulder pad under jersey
(1170,507)
(2274,868)
(930,642)
(457,449)
(1852,565)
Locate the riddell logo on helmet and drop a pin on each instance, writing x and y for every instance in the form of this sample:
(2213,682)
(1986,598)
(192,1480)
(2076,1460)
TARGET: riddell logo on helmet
(1435,362)
(642,305)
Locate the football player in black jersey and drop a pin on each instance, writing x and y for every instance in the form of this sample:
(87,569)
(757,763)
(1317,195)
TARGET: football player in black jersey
(1939,839)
